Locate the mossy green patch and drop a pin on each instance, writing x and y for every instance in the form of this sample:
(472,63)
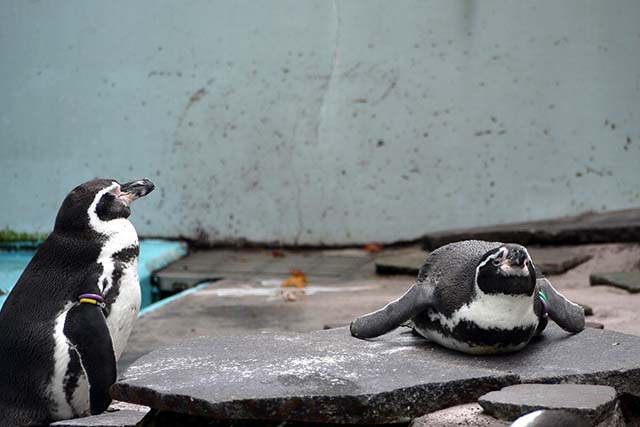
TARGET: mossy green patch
(10,236)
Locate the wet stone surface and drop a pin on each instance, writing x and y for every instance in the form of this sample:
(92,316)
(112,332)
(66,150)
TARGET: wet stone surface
(593,402)
(627,280)
(329,376)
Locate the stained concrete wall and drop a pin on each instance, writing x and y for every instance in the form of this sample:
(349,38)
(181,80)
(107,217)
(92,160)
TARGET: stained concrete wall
(321,122)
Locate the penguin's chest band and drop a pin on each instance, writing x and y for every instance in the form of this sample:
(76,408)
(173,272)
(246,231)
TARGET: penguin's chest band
(93,299)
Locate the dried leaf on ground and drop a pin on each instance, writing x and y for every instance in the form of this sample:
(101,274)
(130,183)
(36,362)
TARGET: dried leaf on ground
(373,248)
(297,280)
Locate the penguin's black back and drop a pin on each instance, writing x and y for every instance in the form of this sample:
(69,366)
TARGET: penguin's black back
(63,267)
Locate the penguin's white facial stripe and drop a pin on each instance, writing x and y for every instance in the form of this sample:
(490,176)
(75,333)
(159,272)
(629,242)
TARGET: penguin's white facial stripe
(498,256)
(120,234)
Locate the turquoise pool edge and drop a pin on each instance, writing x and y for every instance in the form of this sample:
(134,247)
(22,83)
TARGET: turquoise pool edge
(159,304)
(154,255)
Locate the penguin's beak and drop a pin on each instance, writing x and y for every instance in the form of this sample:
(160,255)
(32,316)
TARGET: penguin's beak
(517,258)
(135,189)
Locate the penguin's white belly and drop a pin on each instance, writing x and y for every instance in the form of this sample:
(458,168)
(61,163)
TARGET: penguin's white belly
(504,318)
(125,308)
(62,407)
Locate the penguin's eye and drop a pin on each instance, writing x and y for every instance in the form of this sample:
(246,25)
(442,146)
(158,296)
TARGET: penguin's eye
(497,261)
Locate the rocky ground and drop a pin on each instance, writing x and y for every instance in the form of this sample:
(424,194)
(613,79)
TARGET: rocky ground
(256,304)
(249,302)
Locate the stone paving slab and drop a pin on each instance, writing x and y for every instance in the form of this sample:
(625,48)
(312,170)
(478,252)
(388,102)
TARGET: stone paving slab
(548,260)
(215,264)
(594,402)
(407,264)
(614,226)
(627,280)
(556,260)
(329,376)
(124,418)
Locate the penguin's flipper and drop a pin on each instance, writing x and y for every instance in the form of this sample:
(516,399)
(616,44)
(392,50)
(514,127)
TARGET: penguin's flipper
(567,315)
(86,328)
(417,299)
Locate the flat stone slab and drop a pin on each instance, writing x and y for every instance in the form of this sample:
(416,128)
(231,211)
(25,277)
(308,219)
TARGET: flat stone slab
(614,226)
(407,264)
(556,260)
(119,414)
(627,280)
(214,264)
(324,376)
(548,260)
(469,415)
(593,402)
(122,418)
(329,376)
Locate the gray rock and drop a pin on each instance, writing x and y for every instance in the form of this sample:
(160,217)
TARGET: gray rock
(588,311)
(548,261)
(469,415)
(408,264)
(329,376)
(627,280)
(614,226)
(323,376)
(593,402)
(556,260)
(122,418)
(595,325)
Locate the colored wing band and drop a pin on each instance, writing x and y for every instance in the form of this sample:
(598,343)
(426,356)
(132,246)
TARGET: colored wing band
(544,301)
(93,299)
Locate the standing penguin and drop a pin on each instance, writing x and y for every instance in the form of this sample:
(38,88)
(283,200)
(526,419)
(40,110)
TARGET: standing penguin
(68,318)
(476,297)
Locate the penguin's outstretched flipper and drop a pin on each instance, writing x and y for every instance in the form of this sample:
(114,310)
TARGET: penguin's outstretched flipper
(417,299)
(567,315)
(86,329)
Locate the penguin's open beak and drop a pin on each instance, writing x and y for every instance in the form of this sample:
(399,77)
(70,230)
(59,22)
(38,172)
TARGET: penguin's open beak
(135,189)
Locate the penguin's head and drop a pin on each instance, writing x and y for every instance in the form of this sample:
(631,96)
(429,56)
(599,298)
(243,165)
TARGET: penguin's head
(507,269)
(99,201)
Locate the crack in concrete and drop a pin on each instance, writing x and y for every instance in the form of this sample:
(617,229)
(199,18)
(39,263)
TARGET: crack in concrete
(334,64)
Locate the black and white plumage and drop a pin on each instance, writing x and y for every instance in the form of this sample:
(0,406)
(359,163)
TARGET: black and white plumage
(476,297)
(58,356)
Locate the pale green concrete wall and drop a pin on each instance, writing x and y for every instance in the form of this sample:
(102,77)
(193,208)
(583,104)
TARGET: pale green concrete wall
(321,122)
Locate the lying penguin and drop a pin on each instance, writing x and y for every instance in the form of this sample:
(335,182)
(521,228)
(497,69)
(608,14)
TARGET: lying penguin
(69,316)
(476,297)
